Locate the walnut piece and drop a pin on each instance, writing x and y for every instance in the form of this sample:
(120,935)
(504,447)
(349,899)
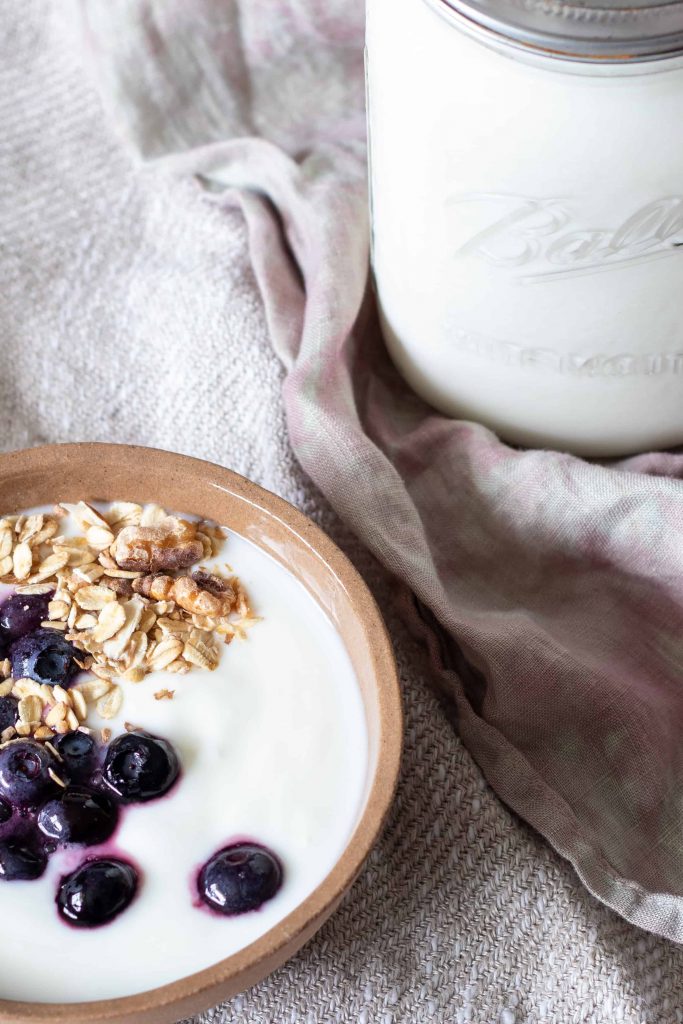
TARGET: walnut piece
(169,546)
(214,584)
(189,594)
(122,587)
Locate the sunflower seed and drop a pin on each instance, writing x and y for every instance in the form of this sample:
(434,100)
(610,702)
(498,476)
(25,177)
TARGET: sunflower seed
(78,703)
(72,720)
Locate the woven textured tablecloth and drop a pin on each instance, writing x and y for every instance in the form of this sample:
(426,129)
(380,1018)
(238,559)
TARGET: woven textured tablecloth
(462,913)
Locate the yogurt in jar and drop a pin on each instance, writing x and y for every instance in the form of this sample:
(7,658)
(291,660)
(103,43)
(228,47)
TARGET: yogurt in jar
(527,206)
(273,748)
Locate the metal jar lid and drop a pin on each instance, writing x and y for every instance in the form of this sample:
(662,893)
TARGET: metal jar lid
(611,31)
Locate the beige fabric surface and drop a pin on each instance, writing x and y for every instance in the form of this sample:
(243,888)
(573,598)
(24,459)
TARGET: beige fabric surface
(462,913)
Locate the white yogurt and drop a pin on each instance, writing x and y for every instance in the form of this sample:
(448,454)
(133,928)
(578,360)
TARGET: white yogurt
(273,746)
(528,229)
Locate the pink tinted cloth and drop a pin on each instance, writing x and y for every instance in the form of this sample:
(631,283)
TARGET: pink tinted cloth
(549,590)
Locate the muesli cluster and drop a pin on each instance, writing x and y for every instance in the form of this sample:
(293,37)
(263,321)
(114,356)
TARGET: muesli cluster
(126,589)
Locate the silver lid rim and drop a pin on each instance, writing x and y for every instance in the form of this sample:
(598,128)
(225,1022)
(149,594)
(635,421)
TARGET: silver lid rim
(588,49)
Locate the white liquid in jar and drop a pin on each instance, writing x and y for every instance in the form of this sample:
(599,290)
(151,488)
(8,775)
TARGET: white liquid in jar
(273,746)
(528,233)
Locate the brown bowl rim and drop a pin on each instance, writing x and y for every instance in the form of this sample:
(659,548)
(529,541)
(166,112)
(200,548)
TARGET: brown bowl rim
(260,958)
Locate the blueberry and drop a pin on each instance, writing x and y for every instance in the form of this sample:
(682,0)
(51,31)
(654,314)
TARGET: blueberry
(9,712)
(21,858)
(45,656)
(5,811)
(140,767)
(240,878)
(24,772)
(96,892)
(80,816)
(79,753)
(23,613)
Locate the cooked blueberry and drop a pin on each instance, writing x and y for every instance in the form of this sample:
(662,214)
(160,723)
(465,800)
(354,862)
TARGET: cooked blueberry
(240,878)
(25,772)
(23,613)
(45,656)
(96,892)
(9,712)
(79,753)
(21,857)
(79,815)
(5,811)
(140,767)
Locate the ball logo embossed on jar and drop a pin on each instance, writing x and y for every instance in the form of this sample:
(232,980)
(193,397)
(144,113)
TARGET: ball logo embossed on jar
(546,231)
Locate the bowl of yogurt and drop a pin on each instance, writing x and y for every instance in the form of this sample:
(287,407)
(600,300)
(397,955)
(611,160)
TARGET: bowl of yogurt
(200,732)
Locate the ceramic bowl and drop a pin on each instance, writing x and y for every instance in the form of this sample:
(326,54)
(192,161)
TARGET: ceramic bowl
(108,472)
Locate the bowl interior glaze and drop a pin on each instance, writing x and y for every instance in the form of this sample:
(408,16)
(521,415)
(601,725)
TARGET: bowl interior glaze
(119,472)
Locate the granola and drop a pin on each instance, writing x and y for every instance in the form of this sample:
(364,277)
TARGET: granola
(126,590)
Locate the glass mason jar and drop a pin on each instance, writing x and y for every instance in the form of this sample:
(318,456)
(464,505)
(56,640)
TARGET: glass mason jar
(527,203)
